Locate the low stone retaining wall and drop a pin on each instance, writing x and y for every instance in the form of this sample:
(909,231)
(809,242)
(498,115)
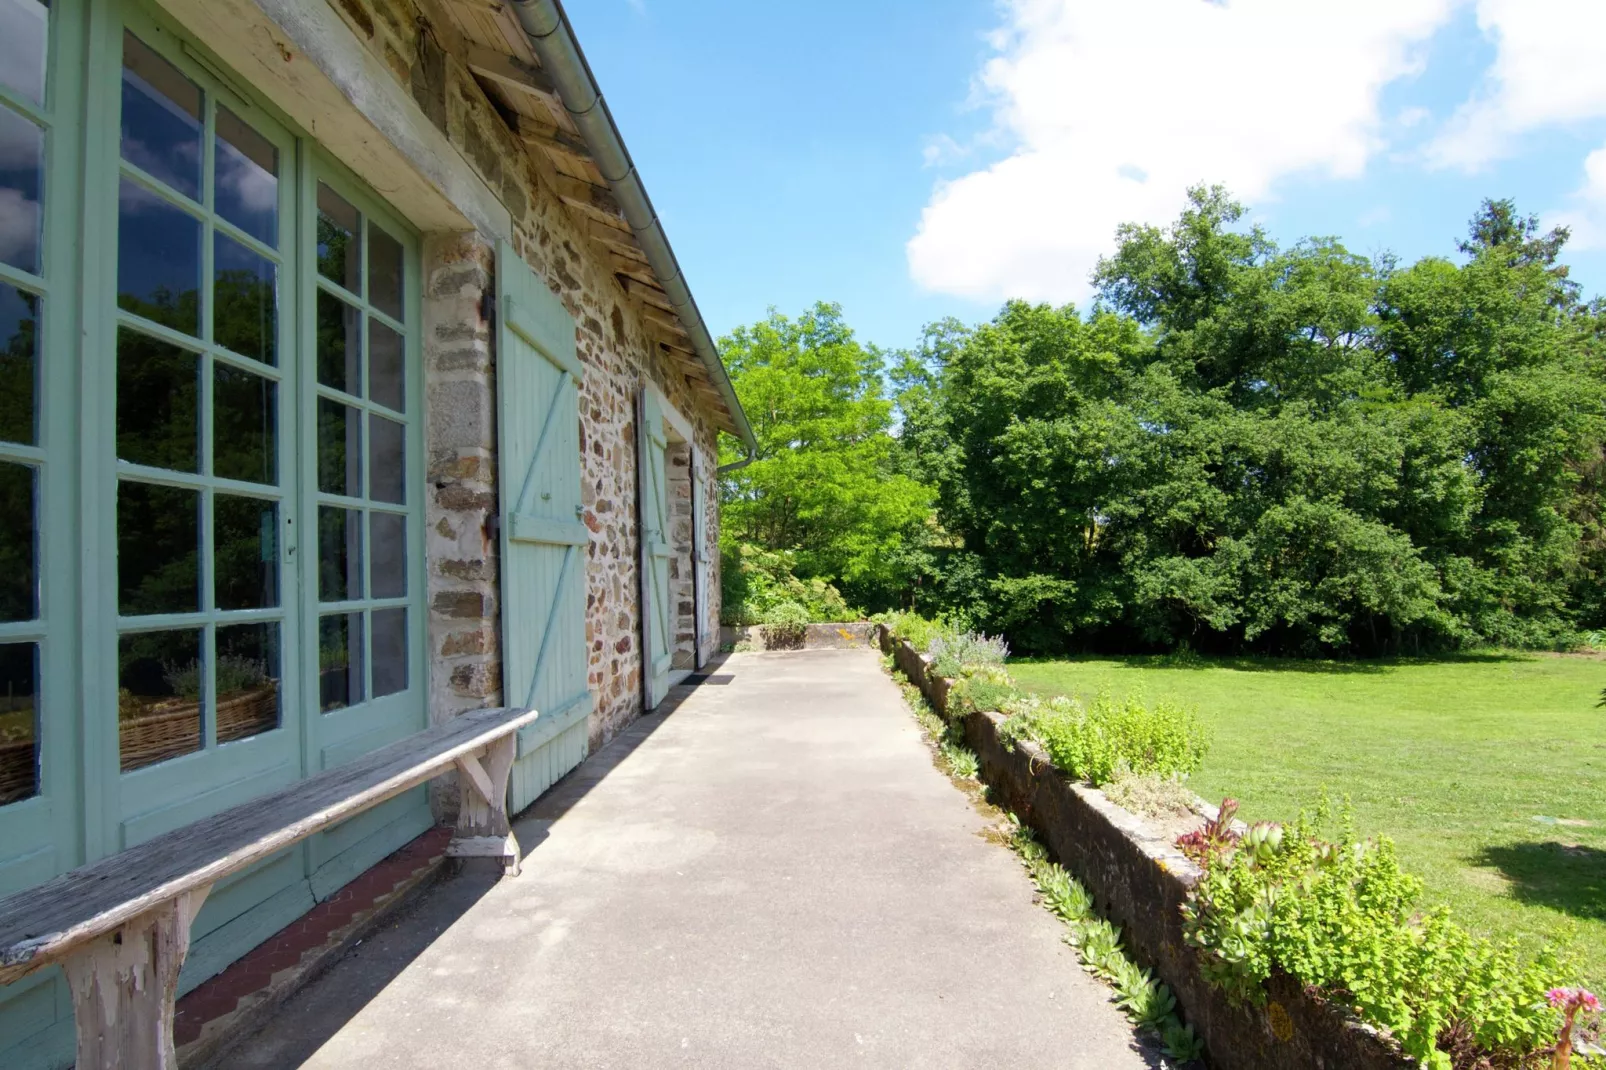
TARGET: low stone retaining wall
(1140,881)
(843,636)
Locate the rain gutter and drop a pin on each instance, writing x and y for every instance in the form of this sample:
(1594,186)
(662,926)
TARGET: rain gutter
(553,40)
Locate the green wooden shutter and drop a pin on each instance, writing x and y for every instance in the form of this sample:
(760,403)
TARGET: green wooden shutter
(657,615)
(543,539)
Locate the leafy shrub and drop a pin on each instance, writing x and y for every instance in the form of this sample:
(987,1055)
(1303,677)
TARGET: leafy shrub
(1341,917)
(785,626)
(755,580)
(1097,742)
(951,654)
(981,688)
(919,632)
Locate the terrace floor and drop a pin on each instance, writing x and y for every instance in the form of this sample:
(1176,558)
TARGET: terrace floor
(771,873)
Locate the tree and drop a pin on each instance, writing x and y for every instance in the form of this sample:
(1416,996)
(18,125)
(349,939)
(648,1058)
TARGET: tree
(823,482)
(1244,447)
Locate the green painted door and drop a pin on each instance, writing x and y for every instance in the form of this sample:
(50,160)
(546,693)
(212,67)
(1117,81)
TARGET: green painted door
(657,615)
(544,541)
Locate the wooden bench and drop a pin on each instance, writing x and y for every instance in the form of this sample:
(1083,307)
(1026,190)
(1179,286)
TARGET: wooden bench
(120,927)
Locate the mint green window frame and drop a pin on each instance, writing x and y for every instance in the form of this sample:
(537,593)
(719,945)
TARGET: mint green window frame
(84,802)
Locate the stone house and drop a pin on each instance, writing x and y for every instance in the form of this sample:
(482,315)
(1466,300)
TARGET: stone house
(347,382)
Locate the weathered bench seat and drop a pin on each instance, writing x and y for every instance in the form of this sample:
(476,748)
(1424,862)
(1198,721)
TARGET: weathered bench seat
(120,926)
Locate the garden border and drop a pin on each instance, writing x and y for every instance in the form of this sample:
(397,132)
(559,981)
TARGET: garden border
(1140,882)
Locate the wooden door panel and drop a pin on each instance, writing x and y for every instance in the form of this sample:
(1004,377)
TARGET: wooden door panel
(544,542)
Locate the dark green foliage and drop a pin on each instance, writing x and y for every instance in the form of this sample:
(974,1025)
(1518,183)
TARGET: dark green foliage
(754,581)
(1247,448)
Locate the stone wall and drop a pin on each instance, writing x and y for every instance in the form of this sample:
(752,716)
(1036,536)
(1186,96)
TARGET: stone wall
(613,343)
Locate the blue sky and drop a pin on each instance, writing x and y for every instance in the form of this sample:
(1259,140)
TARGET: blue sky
(918,160)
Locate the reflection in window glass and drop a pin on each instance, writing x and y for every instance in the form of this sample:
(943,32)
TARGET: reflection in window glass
(340,661)
(158,538)
(19,715)
(390,651)
(339,449)
(25,31)
(158,259)
(22,173)
(245,300)
(339,344)
(387,554)
(244,425)
(247,680)
(339,240)
(158,421)
(339,554)
(245,552)
(386,369)
(19,571)
(384,272)
(387,480)
(161,119)
(161,688)
(246,191)
(19,361)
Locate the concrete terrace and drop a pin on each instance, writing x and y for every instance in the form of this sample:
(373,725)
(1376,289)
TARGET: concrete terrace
(771,873)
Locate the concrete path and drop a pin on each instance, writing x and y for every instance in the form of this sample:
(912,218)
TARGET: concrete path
(771,875)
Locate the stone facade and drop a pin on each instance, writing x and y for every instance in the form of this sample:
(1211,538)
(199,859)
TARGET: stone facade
(460,379)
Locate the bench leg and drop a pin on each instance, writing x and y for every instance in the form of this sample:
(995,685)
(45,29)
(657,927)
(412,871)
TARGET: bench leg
(482,822)
(124,986)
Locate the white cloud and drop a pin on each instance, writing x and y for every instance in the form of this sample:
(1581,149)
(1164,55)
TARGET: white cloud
(1115,108)
(1548,70)
(1586,216)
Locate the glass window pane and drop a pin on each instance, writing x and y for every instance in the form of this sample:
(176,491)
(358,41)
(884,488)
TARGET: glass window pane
(19,362)
(247,190)
(19,571)
(339,344)
(339,240)
(245,552)
(384,272)
(19,716)
(245,300)
(22,174)
(386,367)
(340,662)
(339,449)
(161,119)
(244,425)
(387,551)
(390,651)
(339,554)
(161,684)
(158,538)
(158,417)
(158,260)
(24,40)
(247,680)
(387,480)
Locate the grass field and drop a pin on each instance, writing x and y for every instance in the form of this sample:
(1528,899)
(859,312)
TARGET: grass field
(1489,772)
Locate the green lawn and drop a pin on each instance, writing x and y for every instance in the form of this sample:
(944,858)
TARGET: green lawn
(1489,772)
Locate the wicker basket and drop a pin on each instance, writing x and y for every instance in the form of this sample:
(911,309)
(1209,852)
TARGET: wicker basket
(168,729)
(17,770)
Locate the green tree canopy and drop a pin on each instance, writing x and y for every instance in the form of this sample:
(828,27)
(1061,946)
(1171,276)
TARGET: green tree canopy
(822,483)
(1248,447)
